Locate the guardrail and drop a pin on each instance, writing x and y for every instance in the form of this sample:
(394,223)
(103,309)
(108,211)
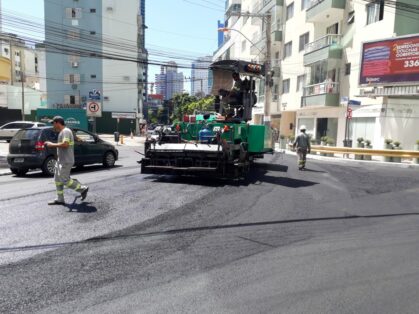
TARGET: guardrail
(322,42)
(366,151)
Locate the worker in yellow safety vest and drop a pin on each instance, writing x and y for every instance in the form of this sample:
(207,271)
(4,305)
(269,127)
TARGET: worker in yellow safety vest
(65,161)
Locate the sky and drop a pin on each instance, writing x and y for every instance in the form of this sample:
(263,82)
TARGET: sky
(183,28)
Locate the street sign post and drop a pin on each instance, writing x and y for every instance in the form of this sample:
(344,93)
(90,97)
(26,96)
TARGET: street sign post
(94,109)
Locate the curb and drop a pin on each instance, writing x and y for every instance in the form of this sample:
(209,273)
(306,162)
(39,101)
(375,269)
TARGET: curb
(357,162)
(5,173)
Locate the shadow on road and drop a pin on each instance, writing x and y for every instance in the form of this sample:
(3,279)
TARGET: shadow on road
(271,167)
(84,207)
(38,174)
(197,229)
(257,175)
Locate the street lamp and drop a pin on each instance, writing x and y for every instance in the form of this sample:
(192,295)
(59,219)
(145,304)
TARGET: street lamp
(226,29)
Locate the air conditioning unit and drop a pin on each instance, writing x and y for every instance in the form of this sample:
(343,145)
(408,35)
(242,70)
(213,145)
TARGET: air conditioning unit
(106,98)
(75,64)
(110,9)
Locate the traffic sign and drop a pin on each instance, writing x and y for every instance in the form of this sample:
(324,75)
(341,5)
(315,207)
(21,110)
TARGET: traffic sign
(94,94)
(94,109)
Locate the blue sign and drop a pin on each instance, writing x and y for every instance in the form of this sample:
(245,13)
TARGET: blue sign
(354,102)
(94,95)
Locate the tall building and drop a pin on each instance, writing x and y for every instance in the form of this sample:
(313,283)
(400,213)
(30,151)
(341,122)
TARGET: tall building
(169,82)
(201,83)
(95,46)
(317,56)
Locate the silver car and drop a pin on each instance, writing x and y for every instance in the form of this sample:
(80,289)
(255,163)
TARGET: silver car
(8,130)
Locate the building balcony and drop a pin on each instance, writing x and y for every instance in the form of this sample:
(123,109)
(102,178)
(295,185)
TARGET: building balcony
(262,6)
(233,8)
(321,10)
(326,47)
(320,95)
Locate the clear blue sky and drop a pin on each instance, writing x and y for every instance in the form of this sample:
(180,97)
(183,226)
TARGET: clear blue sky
(182,28)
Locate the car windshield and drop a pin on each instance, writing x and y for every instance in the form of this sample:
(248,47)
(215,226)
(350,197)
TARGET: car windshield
(29,134)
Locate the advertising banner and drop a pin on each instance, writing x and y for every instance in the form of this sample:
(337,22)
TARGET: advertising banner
(394,60)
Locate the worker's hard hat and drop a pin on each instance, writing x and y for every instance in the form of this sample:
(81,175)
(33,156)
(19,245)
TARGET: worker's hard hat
(303,127)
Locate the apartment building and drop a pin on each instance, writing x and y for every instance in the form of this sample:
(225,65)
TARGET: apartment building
(109,39)
(332,59)
(169,82)
(201,82)
(316,60)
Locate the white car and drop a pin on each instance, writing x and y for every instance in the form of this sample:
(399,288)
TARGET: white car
(8,130)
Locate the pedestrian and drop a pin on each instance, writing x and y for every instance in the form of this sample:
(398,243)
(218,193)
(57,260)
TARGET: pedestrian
(65,161)
(302,142)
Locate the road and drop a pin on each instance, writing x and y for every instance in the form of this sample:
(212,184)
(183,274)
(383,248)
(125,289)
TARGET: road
(339,238)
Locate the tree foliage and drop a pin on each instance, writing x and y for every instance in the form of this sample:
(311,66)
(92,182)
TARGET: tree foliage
(187,104)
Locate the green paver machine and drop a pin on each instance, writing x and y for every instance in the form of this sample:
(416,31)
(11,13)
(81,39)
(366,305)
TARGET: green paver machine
(220,143)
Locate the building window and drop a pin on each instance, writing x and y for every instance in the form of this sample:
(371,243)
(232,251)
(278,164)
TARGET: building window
(303,41)
(92,10)
(73,13)
(93,76)
(288,49)
(351,17)
(286,86)
(275,95)
(6,51)
(301,82)
(290,11)
(304,4)
(347,69)
(375,11)
(72,79)
(72,100)
(92,33)
(333,29)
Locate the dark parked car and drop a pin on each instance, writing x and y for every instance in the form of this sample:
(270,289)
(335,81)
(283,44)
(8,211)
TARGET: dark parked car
(27,150)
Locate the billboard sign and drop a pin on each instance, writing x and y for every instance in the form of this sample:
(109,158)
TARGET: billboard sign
(394,60)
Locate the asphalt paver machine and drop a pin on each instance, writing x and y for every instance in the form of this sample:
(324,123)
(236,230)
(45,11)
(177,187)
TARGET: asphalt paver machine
(221,143)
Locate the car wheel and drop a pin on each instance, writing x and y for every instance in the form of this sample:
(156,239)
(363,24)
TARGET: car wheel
(19,172)
(48,168)
(109,160)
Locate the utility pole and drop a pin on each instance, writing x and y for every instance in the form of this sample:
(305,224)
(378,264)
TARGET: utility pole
(268,72)
(23,94)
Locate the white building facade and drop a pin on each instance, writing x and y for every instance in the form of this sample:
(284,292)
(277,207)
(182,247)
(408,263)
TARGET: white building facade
(316,60)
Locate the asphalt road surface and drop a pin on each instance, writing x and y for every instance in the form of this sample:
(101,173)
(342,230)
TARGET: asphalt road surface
(338,238)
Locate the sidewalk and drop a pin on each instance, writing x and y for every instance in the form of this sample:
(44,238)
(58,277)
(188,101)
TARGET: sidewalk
(339,158)
(127,140)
